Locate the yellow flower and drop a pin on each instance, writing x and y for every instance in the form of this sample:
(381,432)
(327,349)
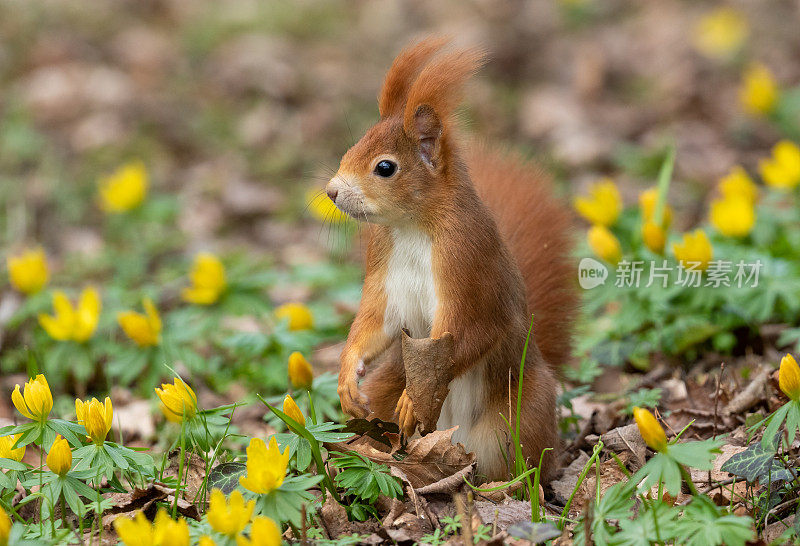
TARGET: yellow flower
(37,400)
(178,401)
(603,205)
(95,417)
(28,271)
(694,248)
(266,467)
(604,244)
(73,323)
(652,433)
(782,170)
(647,205)
(789,377)
(125,188)
(165,531)
(323,209)
(299,316)
(733,216)
(229,518)
(721,33)
(737,183)
(208,280)
(5,527)
(300,373)
(168,532)
(654,236)
(6,443)
(59,459)
(290,408)
(136,531)
(144,329)
(263,532)
(759,92)
(206,540)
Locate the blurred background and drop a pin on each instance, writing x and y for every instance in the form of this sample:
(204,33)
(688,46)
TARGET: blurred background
(239,110)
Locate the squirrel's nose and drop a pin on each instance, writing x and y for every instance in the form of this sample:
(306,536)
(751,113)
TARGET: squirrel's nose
(332,193)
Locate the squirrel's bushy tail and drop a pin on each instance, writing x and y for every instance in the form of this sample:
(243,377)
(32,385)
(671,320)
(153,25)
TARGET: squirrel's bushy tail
(537,228)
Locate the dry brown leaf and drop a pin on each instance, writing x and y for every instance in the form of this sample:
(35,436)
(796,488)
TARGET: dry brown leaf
(428,460)
(429,368)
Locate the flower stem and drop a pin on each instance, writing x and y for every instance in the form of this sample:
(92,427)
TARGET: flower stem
(688,479)
(180,469)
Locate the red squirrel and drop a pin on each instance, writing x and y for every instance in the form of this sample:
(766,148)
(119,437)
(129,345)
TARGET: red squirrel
(462,239)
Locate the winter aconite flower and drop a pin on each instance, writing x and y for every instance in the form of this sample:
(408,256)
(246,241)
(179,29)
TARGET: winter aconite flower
(604,204)
(782,170)
(178,401)
(652,432)
(300,372)
(323,209)
(206,540)
(229,517)
(208,280)
(654,236)
(144,329)
(759,92)
(266,467)
(737,183)
(95,417)
(733,216)
(789,377)
(59,459)
(28,271)
(124,189)
(298,315)
(263,532)
(5,527)
(721,33)
(694,248)
(36,400)
(291,409)
(648,200)
(6,445)
(73,323)
(165,531)
(604,244)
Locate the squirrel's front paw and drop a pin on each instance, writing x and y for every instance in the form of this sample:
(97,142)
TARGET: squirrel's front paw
(353,402)
(405,413)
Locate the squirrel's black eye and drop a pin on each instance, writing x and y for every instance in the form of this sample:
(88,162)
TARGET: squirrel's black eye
(385,168)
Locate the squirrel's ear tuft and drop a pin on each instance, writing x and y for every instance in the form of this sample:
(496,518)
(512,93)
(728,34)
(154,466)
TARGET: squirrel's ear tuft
(404,70)
(439,87)
(428,129)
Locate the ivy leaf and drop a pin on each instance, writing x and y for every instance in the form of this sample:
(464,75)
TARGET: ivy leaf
(225,476)
(534,532)
(751,464)
(374,428)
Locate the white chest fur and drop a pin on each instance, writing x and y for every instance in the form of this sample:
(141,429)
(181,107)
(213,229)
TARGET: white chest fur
(410,290)
(411,304)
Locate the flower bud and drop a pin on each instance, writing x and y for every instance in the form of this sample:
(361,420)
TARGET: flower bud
(652,432)
(789,377)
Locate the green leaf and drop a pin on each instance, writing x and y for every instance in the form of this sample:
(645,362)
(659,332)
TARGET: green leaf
(225,476)
(11,464)
(700,455)
(704,524)
(752,463)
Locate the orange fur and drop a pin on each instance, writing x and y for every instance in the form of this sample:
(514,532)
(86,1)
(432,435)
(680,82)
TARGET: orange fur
(477,232)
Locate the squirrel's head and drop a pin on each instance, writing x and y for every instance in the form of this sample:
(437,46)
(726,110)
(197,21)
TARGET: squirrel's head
(402,163)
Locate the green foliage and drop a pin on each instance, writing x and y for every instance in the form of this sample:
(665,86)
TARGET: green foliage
(225,476)
(365,479)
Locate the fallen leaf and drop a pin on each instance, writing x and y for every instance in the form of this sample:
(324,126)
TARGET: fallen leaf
(425,461)
(429,369)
